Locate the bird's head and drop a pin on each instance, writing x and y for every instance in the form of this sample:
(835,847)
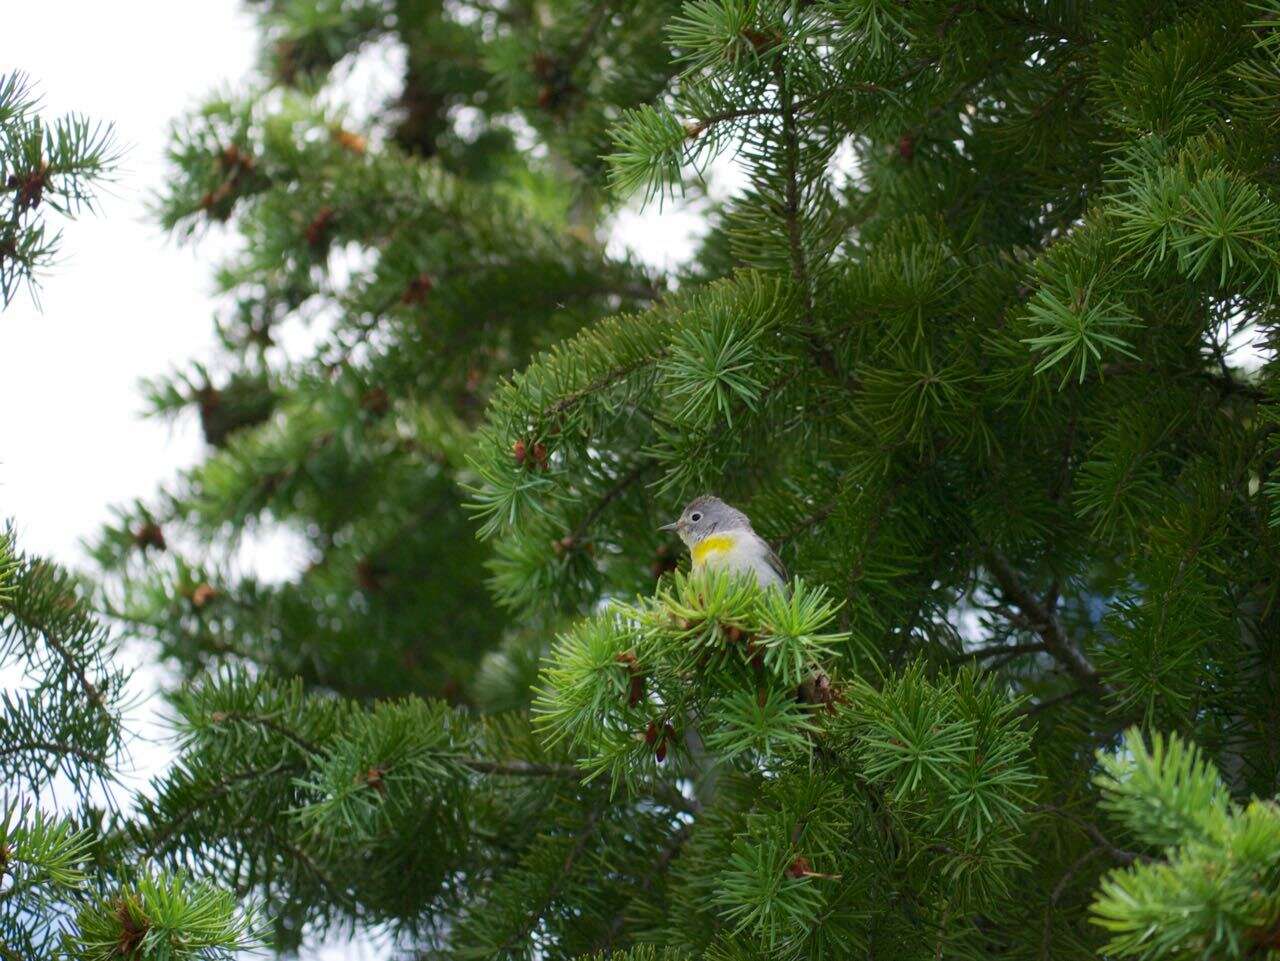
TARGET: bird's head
(707,515)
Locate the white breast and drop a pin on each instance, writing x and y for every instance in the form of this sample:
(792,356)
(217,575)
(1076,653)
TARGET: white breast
(748,553)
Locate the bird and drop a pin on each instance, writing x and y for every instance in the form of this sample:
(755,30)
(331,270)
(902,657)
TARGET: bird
(720,537)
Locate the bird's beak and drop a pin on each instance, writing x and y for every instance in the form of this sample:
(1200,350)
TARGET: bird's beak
(670,527)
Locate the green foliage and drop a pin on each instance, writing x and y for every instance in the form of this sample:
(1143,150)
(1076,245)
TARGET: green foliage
(709,657)
(161,918)
(62,735)
(56,164)
(1214,888)
(984,344)
(43,866)
(66,720)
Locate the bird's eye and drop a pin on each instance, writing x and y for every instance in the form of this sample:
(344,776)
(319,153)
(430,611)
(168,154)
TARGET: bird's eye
(695,517)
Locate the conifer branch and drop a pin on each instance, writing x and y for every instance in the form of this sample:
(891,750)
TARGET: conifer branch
(1100,840)
(521,768)
(791,211)
(670,851)
(604,381)
(1055,896)
(339,891)
(1001,650)
(1031,710)
(75,668)
(269,724)
(1056,642)
(214,792)
(53,747)
(615,491)
(815,517)
(581,839)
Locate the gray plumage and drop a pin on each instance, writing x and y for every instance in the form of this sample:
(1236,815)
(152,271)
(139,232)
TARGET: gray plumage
(734,544)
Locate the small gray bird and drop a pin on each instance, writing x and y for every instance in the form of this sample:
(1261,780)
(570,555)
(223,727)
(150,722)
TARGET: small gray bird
(720,537)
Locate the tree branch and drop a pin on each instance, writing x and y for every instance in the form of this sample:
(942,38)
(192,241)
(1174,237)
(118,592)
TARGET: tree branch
(54,747)
(579,845)
(619,487)
(999,650)
(1064,650)
(221,717)
(520,768)
(669,853)
(822,354)
(1101,840)
(219,789)
(1031,710)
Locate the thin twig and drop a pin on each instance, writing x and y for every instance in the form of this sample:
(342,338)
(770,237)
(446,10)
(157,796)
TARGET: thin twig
(54,747)
(579,845)
(1042,621)
(998,650)
(1101,840)
(520,768)
(668,854)
(271,725)
(1054,898)
(221,788)
(1031,710)
(614,492)
(791,208)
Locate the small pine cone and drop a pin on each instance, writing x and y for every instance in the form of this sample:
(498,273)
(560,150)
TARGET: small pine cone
(374,778)
(799,868)
(815,690)
(651,733)
(202,595)
(418,289)
(375,401)
(636,695)
(544,65)
(762,40)
(150,535)
(540,455)
(661,752)
(31,187)
(218,203)
(349,141)
(519,452)
(318,229)
(235,161)
(733,634)
(133,930)
(906,147)
(368,576)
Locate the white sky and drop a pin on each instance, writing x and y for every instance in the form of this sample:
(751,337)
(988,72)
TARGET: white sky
(125,302)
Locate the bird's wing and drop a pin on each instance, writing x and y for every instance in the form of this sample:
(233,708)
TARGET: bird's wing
(775,562)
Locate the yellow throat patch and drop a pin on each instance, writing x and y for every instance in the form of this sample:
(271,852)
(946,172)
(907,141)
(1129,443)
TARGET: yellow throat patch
(710,546)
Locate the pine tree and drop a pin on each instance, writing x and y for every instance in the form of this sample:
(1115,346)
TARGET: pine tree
(70,884)
(967,347)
